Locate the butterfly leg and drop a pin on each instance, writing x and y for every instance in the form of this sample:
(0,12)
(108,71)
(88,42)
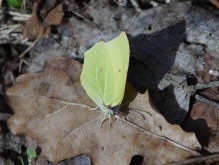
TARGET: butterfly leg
(94,108)
(103,119)
(109,117)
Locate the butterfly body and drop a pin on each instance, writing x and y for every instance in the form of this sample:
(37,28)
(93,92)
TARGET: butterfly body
(104,73)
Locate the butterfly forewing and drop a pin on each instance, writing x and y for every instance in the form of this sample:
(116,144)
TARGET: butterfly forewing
(118,49)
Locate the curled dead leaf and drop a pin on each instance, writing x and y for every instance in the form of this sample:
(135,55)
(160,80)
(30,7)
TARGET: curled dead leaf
(37,26)
(54,17)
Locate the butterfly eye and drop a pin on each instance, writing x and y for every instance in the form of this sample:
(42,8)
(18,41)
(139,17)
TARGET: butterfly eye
(115,109)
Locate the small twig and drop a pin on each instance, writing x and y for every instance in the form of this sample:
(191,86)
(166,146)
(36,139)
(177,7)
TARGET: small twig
(24,4)
(207,85)
(21,56)
(19,14)
(117,2)
(192,89)
(20,64)
(24,41)
(136,6)
(19,19)
(11,29)
(0,3)
(153,3)
(203,99)
(194,160)
(81,16)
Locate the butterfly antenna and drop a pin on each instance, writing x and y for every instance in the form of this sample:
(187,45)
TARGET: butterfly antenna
(124,104)
(136,110)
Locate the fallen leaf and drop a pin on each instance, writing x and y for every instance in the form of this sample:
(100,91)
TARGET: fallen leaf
(54,17)
(215,2)
(154,122)
(53,108)
(33,27)
(203,117)
(37,26)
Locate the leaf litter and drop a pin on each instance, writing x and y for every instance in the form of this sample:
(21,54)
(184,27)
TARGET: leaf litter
(37,26)
(53,108)
(155,41)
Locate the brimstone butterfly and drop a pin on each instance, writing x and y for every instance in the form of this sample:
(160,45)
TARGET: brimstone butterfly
(104,73)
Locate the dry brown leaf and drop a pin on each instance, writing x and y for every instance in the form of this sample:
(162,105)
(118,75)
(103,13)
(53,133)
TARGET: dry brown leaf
(33,27)
(53,108)
(215,2)
(154,122)
(41,27)
(54,17)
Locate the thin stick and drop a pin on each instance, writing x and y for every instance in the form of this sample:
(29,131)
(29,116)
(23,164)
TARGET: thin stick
(21,56)
(19,14)
(10,30)
(24,4)
(207,85)
(81,16)
(17,18)
(205,100)
(135,5)
(0,3)
(197,159)
(117,2)
(20,65)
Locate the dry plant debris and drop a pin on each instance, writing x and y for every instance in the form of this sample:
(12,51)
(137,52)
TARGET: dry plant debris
(178,58)
(40,25)
(203,118)
(53,108)
(215,2)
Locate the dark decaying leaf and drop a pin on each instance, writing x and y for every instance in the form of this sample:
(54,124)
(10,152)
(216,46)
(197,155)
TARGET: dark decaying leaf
(203,118)
(40,26)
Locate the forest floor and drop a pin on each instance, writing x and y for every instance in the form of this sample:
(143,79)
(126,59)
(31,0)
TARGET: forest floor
(171,99)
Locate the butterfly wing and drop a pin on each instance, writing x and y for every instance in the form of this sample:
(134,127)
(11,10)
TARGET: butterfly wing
(105,69)
(94,73)
(118,49)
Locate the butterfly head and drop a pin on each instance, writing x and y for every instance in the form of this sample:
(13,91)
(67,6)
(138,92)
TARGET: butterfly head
(109,109)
